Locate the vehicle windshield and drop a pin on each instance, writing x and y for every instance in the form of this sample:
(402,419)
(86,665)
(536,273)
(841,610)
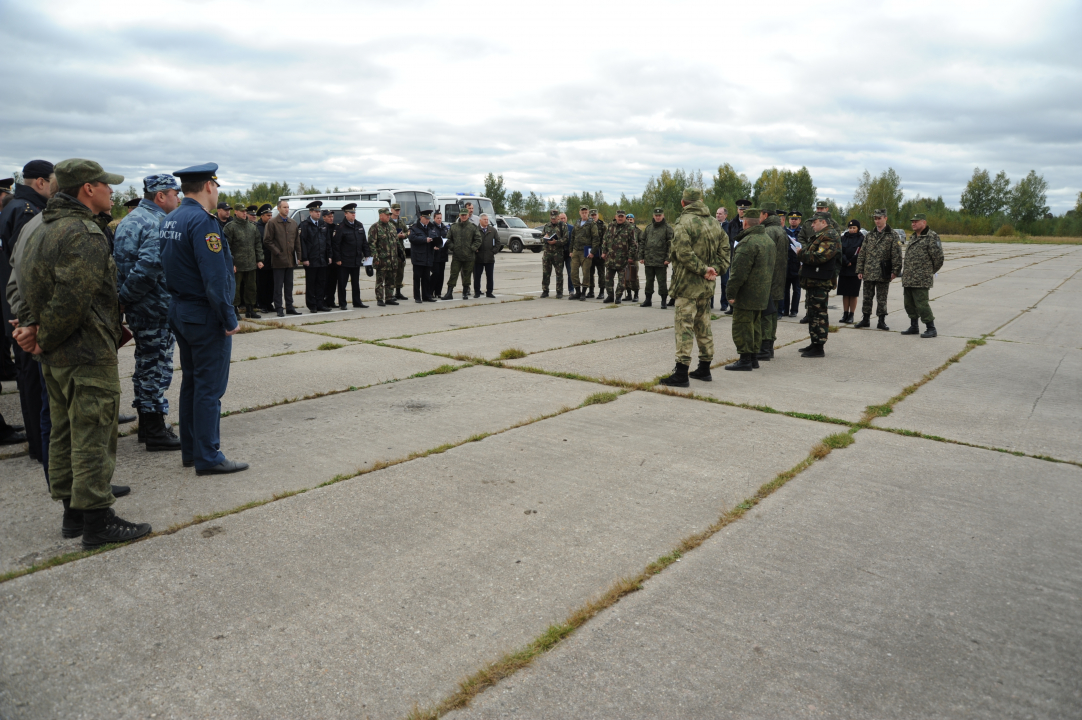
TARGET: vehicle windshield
(485,209)
(514,222)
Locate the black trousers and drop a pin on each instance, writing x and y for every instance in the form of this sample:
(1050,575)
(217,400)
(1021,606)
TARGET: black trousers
(283,288)
(330,287)
(30,387)
(353,275)
(315,281)
(597,267)
(439,269)
(264,286)
(422,282)
(487,268)
(791,303)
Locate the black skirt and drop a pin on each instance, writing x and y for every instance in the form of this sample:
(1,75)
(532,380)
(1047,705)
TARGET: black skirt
(849,286)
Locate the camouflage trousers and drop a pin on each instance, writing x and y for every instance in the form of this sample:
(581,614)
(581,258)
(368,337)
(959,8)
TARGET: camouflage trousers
(916,304)
(693,323)
(632,281)
(580,269)
(385,283)
(463,269)
(818,322)
(878,290)
(614,269)
(747,330)
(660,273)
(400,275)
(153,368)
(84,404)
(550,262)
(246,289)
(768,325)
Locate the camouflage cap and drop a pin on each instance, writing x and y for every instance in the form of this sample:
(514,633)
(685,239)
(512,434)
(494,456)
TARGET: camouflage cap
(396,206)
(385,211)
(918,217)
(821,204)
(768,207)
(692,194)
(583,207)
(552,213)
(821,216)
(77,171)
(593,211)
(160,183)
(880,212)
(620,212)
(659,211)
(751,212)
(239,207)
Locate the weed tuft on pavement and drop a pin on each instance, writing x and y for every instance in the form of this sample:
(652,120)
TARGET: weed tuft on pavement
(512,354)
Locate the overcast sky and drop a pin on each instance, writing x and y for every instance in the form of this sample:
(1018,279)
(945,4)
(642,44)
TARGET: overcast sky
(559,97)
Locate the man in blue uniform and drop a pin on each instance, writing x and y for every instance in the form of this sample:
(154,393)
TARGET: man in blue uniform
(199,277)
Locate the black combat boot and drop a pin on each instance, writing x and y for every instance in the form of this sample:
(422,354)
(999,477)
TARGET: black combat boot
(648,302)
(449,296)
(380,303)
(608,297)
(930,331)
(559,293)
(391,301)
(159,436)
(253,314)
(590,293)
(619,298)
(814,351)
(882,325)
(702,372)
(144,420)
(466,295)
(913,328)
(636,298)
(865,321)
(745,363)
(805,320)
(574,294)
(72,525)
(582,294)
(399,296)
(544,294)
(766,350)
(103,527)
(679,377)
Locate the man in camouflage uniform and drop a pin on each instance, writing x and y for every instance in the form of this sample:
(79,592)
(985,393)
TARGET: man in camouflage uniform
(597,265)
(383,241)
(632,270)
(817,278)
(246,244)
(463,240)
(772,223)
(805,237)
(68,279)
(141,280)
(586,236)
(618,251)
(697,259)
(555,237)
(655,242)
(748,291)
(878,262)
(923,259)
(402,231)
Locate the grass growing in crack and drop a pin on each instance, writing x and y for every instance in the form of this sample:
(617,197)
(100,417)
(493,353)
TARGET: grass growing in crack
(246,328)
(875,411)
(600,398)
(512,354)
(510,663)
(330,346)
(837,441)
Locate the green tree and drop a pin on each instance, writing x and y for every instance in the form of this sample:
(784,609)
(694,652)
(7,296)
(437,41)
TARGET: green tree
(497,193)
(1078,205)
(882,191)
(1028,199)
(727,186)
(770,187)
(800,191)
(534,206)
(984,196)
(516,204)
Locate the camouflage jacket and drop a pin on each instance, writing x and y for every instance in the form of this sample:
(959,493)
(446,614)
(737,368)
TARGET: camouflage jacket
(141,280)
(400,226)
(819,260)
(245,242)
(559,230)
(751,277)
(655,242)
(807,234)
(464,240)
(696,245)
(68,279)
(383,244)
(619,244)
(586,234)
(923,259)
(880,255)
(776,233)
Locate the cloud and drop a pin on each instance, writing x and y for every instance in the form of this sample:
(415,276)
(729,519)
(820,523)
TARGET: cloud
(585,96)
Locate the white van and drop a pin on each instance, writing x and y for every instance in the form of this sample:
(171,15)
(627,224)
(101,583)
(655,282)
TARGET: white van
(412,200)
(449,205)
(367,210)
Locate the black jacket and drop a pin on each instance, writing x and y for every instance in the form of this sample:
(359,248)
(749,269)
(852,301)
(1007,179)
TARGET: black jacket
(315,243)
(439,255)
(793,270)
(490,243)
(350,244)
(24,205)
(850,247)
(422,252)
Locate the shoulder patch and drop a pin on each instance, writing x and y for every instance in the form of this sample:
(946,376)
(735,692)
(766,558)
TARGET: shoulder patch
(214,242)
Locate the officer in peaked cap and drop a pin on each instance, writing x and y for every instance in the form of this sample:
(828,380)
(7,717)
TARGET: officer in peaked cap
(5,191)
(199,277)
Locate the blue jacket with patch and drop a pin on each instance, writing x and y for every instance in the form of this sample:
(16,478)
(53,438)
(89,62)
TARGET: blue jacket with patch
(140,279)
(198,267)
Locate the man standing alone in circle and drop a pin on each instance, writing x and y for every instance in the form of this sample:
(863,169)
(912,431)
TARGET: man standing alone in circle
(199,277)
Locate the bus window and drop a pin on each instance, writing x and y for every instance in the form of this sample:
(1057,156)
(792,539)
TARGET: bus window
(408,201)
(482,207)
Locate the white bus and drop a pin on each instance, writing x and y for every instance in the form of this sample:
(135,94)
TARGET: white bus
(449,205)
(412,200)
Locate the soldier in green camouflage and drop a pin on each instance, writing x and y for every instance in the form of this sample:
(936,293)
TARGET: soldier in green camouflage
(697,261)
(772,223)
(631,283)
(463,240)
(246,244)
(554,236)
(805,237)
(817,278)
(68,279)
(748,292)
(923,259)
(655,242)
(383,240)
(878,262)
(618,251)
(585,236)
(402,231)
